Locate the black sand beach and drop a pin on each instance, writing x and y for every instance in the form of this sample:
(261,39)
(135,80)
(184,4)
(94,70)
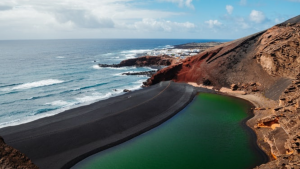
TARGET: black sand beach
(64,139)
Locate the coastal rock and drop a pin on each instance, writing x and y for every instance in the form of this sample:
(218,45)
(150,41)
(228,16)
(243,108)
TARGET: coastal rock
(146,73)
(201,46)
(126,90)
(143,61)
(12,158)
(106,65)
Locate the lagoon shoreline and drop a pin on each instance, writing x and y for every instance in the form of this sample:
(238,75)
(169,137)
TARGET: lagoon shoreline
(62,140)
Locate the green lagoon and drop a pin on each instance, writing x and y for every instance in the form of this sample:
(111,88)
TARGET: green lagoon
(207,134)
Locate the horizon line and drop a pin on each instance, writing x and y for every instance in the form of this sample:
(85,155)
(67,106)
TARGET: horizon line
(112,39)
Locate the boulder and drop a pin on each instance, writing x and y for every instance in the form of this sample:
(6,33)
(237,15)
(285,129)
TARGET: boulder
(126,90)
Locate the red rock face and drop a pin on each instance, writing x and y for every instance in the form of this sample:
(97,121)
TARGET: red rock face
(222,65)
(263,57)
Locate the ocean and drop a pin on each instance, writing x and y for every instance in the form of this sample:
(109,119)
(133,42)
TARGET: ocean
(40,78)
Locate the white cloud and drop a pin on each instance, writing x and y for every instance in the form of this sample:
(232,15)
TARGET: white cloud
(213,23)
(243,2)
(181,3)
(55,18)
(148,24)
(229,9)
(241,22)
(277,20)
(257,16)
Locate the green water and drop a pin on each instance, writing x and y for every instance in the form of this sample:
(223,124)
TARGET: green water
(206,134)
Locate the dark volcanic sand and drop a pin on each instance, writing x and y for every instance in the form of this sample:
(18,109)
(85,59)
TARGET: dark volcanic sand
(64,139)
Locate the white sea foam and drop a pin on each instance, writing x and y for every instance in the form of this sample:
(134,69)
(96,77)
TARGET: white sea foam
(80,101)
(108,54)
(150,68)
(169,46)
(59,103)
(93,97)
(60,57)
(85,100)
(140,51)
(10,123)
(137,51)
(34,84)
(119,68)
(133,88)
(130,56)
(118,74)
(139,81)
(97,67)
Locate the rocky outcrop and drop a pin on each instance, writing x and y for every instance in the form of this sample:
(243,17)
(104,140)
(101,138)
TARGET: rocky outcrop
(144,61)
(201,46)
(283,136)
(146,73)
(278,50)
(11,158)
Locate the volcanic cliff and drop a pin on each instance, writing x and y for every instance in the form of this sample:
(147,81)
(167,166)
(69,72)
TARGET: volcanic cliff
(263,57)
(266,64)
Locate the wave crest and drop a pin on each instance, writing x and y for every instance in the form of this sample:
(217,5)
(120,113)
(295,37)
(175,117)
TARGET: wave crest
(96,67)
(41,83)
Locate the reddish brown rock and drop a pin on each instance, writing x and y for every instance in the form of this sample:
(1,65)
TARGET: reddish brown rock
(275,52)
(11,158)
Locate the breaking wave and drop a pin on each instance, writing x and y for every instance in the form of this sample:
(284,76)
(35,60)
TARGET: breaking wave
(30,85)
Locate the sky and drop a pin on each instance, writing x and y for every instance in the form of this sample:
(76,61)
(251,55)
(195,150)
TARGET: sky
(163,19)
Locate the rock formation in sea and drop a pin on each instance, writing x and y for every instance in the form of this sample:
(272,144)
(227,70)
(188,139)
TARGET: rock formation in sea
(144,61)
(202,46)
(266,63)
(12,158)
(145,73)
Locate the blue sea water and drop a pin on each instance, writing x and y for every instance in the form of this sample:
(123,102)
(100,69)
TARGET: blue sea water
(40,78)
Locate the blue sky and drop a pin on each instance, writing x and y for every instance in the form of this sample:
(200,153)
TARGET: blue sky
(185,19)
